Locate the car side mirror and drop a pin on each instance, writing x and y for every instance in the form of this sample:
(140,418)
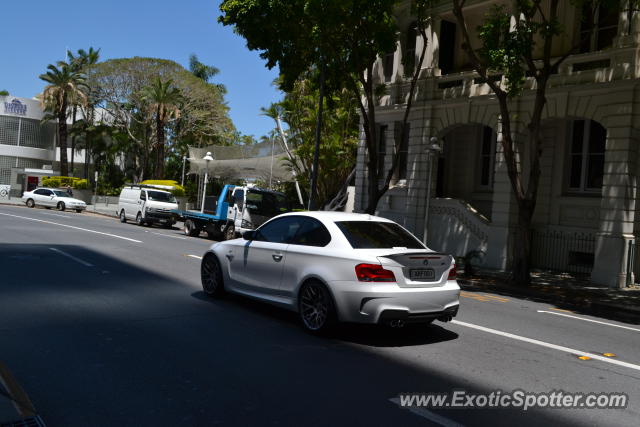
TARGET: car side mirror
(249,235)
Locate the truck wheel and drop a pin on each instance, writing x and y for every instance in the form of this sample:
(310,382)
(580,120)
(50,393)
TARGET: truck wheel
(123,217)
(139,219)
(190,228)
(229,232)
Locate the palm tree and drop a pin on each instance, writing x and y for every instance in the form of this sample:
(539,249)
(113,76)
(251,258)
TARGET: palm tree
(83,58)
(200,70)
(80,62)
(163,100)
(204,72)
(66,86)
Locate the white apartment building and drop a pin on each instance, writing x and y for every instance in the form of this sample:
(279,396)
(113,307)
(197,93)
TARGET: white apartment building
(585,220)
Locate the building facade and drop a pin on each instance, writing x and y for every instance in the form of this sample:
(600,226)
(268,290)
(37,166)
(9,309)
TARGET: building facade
(28,146)
(585,220)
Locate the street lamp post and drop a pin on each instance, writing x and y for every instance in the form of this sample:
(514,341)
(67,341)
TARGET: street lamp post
(207,159)
(184,160)
(431,148)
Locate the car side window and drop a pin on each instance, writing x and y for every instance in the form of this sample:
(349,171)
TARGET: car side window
(143,195)
(39,192)
(312,233)
(281,230)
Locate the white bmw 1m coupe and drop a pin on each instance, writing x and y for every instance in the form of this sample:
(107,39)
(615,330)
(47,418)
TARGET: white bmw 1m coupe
(336,267)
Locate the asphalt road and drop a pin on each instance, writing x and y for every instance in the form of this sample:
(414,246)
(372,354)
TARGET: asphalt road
(105,324)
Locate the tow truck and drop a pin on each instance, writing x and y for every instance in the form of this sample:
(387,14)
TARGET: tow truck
(237,209)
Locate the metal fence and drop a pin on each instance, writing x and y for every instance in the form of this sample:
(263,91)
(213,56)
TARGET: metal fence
(571,252)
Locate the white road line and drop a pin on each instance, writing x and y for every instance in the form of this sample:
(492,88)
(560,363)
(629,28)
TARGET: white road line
(430,415)
(167,235)
(590,320)
(71,226)
(548,345)
(54,214)
(85,263)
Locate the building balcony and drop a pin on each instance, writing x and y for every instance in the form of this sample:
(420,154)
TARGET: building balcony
(588,68)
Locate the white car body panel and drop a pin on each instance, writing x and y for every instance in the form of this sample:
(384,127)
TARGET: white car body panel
(52,200)
(249,268)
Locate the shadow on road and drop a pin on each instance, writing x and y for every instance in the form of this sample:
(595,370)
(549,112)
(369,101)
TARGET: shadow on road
(116,344)
(371,335)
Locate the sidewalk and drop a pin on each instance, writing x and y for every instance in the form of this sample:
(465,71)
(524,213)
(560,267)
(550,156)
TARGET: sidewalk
(564,291)
(98,208)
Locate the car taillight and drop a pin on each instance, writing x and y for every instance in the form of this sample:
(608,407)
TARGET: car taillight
(452,273)
(374,273)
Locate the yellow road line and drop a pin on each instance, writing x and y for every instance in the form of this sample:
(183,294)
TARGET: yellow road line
(559,309)
(484,297)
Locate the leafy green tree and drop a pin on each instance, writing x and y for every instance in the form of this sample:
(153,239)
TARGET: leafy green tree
(163,100)
(343,36)
(339,135)
(203,120)
(65,86)
(80,62)
(519,41)
(204,72)
(4,93)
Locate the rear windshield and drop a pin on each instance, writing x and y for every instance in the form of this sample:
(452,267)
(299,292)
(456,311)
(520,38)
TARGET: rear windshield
(377,235)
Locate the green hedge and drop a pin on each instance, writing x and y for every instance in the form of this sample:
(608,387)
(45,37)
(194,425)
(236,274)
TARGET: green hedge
(65,181)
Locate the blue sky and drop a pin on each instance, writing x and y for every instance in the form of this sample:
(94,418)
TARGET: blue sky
(37,32)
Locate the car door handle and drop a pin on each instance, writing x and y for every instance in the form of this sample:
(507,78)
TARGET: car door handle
(277,257)
(229,256)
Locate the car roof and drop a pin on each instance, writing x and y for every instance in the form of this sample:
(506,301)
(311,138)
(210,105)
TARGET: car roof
(334,216)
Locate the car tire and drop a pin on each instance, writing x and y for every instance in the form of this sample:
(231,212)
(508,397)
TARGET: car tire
(190,228)
(316,307)
(61,207)
(211,276)
(31,203)
(139,220)
(229,232)
(123,216)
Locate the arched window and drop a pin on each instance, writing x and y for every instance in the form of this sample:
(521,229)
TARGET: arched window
(586,156)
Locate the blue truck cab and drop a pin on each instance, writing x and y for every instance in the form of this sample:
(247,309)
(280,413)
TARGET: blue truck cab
(235,210)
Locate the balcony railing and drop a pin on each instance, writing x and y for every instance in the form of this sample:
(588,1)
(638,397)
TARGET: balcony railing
(594,67)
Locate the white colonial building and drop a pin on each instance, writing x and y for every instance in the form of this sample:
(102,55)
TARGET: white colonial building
(585,219)
(28,146)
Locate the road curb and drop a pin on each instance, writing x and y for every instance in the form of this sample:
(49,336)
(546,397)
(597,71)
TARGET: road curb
(585,304)
(113,215)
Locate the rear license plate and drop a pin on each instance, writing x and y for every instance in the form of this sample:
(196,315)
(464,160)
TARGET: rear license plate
(422,274)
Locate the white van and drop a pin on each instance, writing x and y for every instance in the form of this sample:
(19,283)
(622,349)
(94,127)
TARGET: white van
(146,205)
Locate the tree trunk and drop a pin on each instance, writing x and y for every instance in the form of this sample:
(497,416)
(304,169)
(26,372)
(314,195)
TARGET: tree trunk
(73,141)
(160,150)
(62,135)
(522,246)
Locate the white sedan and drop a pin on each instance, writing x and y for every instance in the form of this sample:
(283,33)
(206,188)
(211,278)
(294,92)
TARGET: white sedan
(335,266)
(52,198)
